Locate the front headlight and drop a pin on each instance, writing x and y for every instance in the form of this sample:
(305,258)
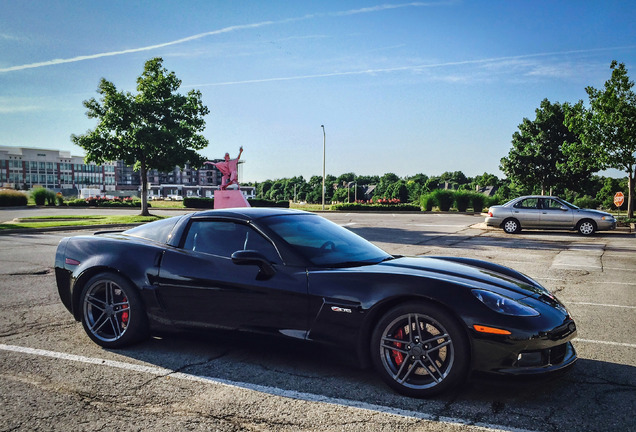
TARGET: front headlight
(608,218)
(503,305)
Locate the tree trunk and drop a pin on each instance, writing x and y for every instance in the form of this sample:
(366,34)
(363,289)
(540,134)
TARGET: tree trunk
(144,189)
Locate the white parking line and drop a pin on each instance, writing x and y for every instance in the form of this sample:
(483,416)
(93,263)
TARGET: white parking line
(437,225)
(590,282)
(291,394)
(600,305)
(606,343)
(618,268)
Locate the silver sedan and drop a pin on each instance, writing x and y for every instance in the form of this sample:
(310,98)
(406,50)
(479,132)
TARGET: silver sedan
(547,212)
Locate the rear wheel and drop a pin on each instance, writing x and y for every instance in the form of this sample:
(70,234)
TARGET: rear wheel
(419,350)
(586,227)
(511,226)
(113,315)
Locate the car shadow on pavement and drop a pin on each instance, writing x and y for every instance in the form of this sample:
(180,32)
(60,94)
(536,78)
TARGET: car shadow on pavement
(590,393)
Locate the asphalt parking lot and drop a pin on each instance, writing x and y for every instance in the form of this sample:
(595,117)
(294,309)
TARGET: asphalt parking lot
(52,377)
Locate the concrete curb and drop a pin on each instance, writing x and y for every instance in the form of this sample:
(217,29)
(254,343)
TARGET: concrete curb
(114,227)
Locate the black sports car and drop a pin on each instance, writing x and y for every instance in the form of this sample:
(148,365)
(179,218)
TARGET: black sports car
(424,322)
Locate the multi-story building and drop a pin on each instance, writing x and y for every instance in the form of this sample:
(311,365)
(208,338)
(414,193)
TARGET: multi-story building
(26,168)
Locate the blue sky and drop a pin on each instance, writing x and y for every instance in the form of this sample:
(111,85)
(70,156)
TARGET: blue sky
(420,87)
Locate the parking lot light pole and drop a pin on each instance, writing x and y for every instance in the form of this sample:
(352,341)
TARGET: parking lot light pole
(324,139)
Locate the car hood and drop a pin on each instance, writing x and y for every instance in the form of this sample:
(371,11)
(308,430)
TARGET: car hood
(476,273)
(594,212)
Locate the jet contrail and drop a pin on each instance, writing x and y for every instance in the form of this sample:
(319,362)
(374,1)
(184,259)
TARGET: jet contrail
(211,33)
(412,67)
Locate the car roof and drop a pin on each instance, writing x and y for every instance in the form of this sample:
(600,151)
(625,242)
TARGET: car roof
(249,212)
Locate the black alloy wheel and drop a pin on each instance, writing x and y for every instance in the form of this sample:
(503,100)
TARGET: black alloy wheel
(112,312)
(419,350)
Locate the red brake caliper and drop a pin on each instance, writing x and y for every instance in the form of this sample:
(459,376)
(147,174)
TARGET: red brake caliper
(124,315)
(397,356)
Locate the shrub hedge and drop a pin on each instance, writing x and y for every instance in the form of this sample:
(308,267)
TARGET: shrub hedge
(462,200)
(478,200)
(11,198)
(208,203)
(427,202)
(443,198)
(268,203)
(375,207)
(103,202)
(43,196)
(196,202)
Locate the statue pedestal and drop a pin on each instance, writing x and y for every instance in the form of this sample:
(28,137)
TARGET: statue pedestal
(229,198)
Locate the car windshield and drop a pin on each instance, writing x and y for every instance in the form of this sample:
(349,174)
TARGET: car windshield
(572,206)
(324,243)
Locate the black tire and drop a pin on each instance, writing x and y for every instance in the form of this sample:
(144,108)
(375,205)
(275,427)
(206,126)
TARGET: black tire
(586,227)
(112,312)
(511,226)
(423,363)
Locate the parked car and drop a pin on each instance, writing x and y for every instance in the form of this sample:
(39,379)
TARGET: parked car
(424,322)
(547,212)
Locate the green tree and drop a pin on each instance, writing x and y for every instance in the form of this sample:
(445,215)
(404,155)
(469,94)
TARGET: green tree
(485,180)
(607,128)
(340,194)
(400,191)
(414,190)
(536,157)
(605,195)
(345,178)
(386,181)
(157,128)
(368,180)
(315,189)
(431,184)
(455,179)
(263,188)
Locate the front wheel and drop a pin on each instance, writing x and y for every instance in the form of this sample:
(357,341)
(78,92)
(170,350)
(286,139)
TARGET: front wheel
(419,350)
(113,315)
(586,227)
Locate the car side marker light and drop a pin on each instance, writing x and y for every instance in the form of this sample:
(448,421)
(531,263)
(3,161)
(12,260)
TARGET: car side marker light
(71,261)
(491,330)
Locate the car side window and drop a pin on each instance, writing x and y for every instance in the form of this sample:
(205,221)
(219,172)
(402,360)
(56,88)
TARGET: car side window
(551,204)
(223,238)
(529,203)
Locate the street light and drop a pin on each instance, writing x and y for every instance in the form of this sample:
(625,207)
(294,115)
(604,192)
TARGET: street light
(324,140)
(355,190)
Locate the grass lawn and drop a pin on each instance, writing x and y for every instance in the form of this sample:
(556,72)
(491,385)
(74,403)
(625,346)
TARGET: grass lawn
(58,221)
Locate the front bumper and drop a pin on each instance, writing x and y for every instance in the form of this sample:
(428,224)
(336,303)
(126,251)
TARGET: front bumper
(526,353)
(543,361)
(606,225)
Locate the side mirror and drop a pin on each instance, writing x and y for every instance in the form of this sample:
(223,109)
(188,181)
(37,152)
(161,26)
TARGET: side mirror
(252,257)
(564,208)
